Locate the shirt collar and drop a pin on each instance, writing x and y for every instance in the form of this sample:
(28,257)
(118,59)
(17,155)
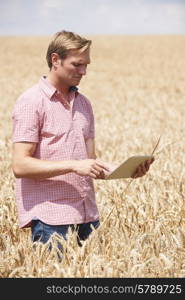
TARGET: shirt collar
(49,89)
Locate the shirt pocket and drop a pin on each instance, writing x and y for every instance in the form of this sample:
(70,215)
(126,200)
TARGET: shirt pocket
(82,124)
(54,126)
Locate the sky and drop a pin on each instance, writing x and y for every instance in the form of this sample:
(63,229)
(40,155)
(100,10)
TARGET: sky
(45,17)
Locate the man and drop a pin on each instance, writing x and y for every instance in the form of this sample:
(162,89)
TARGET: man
(54,158)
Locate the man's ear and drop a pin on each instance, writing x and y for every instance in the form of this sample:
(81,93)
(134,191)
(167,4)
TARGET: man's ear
(55,59)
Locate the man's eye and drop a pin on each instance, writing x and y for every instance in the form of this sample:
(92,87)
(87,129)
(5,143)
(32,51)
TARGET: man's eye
(76,65)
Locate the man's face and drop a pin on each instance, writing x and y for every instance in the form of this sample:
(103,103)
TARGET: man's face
(71,69)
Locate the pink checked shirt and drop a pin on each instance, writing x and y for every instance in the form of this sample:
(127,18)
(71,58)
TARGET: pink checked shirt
(41,116)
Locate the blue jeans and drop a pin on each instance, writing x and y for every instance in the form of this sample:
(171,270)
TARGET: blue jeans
(42,231)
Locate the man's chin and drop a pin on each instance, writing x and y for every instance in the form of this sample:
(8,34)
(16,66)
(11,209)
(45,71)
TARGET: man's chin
(76,81)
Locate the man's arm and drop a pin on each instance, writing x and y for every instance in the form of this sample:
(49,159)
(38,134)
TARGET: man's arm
(91,152)
(90,145)
(140,171)
(24,165)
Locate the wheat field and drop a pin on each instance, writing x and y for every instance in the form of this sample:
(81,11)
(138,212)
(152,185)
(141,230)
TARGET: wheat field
(136,85)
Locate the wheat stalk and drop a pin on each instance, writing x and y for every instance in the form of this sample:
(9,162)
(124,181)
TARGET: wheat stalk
(129,183)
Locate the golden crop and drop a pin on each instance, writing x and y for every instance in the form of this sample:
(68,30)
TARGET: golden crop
(136,85)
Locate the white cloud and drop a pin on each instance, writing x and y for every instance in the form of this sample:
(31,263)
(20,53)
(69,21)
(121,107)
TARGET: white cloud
(50,7)
(92,16)
(9,9)
(141,16)
(52,3)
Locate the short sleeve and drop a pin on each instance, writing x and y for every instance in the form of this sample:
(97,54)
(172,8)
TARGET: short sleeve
(91,131)
(87,107)
(25,119)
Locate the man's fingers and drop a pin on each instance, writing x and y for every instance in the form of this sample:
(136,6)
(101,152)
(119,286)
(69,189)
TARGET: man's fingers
(97,168)
(144,169)
(102,165)
(148,163)
(152,160)
(101,175)
(95,171)
(140,171)
(92,175)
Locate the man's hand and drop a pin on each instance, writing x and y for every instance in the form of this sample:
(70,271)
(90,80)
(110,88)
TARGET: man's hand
(90,167)
(110,168)
(143,168)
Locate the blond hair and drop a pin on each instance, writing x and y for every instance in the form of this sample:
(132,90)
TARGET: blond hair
(63,41)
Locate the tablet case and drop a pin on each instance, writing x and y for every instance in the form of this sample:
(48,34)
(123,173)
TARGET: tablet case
(128,167)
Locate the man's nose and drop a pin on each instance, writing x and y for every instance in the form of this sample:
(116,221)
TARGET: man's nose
(82,70)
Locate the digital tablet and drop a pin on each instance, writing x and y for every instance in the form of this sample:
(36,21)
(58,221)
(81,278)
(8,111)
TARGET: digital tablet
(128,167)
